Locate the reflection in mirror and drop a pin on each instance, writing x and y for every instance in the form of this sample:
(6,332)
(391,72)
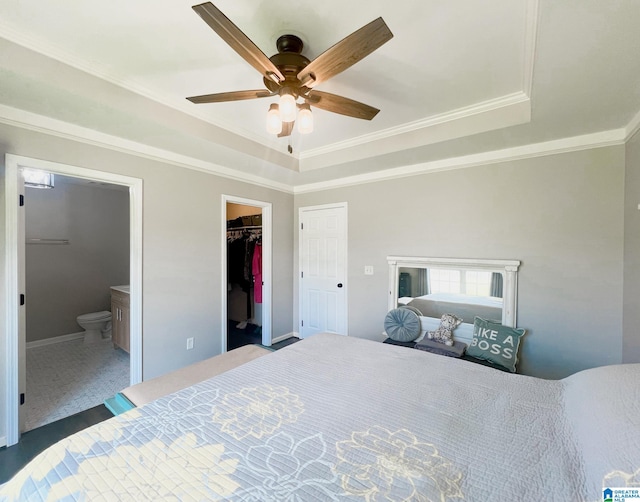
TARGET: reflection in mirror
(463,287)
(464,293)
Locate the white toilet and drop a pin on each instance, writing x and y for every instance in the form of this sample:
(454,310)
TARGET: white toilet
(97,325)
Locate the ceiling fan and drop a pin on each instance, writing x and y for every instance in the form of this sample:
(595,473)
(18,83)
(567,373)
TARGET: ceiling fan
(291,76)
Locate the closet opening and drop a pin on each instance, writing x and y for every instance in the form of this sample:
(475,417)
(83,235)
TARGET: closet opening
(247,272)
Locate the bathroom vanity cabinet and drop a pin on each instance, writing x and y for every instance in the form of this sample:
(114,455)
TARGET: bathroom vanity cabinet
(120,317)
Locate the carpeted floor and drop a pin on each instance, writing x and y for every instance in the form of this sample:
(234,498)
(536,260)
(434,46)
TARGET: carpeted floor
(68,377)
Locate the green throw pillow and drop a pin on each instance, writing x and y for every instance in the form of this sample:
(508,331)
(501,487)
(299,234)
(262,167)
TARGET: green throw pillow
(495,343)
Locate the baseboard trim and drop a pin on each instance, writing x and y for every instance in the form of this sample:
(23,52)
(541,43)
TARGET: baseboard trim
(284,337)
(55,339)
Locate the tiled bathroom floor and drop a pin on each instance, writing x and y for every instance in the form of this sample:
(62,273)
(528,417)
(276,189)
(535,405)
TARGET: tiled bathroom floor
(69,377)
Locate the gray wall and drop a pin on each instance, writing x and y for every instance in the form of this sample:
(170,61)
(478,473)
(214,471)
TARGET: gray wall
(631,341)
(64,281)
(561,215)
(182,234)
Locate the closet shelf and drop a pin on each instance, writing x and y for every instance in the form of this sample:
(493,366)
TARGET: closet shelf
(48,241)
(249,227)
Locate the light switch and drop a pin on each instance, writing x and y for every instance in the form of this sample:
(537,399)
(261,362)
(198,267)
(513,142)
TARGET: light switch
(368,270)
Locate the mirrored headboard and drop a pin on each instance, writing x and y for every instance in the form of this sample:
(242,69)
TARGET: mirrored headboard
(464,287)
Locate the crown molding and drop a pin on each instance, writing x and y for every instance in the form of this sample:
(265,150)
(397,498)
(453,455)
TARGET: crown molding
(41,124)
(458,115)
(48,50)
(565,145)
(54,127)
(98,71)
(633,126)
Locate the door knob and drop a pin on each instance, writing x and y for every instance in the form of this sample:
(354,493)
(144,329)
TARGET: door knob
(339,284)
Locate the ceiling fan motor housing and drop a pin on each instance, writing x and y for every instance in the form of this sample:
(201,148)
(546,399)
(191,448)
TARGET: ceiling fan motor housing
(289,61)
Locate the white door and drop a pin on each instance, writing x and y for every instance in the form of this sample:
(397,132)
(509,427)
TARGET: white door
(323,270)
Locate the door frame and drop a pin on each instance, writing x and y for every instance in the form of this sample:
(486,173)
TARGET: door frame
(301,210)
(14,274)
(266,208)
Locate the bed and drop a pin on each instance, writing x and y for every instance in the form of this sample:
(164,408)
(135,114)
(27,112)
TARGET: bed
(464,306)
(341,418)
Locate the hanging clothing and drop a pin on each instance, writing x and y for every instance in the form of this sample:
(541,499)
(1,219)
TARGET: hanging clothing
(235,262)
(240,251)
(248,257)
(239,257)
(256,270)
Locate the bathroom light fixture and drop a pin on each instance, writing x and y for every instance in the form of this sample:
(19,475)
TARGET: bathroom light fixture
(274,124)
(37,179)
(305,119)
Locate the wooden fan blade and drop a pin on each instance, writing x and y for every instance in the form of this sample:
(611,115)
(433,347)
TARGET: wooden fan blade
(238,41)
(229,96)
(287,129)
(346,53)
(341,105)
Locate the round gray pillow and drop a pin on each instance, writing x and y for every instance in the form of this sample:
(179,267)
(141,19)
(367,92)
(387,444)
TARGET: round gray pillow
(402,325)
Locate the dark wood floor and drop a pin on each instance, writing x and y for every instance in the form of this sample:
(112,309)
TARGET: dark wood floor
(31,443)
(34,441)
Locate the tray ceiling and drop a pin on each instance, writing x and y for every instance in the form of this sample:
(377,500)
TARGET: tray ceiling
(459,78)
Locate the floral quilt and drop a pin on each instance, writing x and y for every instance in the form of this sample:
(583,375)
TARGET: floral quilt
(335,418)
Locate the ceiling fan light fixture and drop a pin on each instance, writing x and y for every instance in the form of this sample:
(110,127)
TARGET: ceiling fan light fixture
(288,105)
(274,124)
(292,75)
(305,119)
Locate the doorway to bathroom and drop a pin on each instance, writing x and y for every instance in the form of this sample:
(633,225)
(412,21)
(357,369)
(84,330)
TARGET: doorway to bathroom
(77,248)
(246,272)
(69,245)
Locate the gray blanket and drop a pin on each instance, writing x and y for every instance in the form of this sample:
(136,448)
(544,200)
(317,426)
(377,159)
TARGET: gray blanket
(338,418)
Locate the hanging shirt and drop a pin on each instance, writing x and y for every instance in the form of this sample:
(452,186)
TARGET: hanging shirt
(235,261)
(256,269)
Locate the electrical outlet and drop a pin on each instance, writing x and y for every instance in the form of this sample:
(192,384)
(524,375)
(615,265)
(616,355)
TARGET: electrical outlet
(189,343)
(368,270)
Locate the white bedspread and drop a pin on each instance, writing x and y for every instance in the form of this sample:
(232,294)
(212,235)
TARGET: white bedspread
(338,418)
(464,306)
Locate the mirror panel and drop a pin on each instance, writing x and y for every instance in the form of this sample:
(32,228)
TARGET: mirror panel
(464,287)
(464,293)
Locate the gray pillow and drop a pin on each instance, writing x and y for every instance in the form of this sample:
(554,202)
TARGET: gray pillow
(402,325)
